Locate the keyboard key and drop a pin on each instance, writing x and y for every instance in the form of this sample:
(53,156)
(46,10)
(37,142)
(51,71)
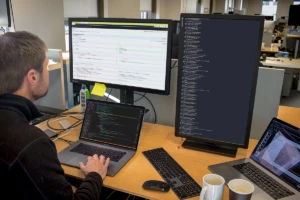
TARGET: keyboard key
(183,185)
(90,150)
(263,181)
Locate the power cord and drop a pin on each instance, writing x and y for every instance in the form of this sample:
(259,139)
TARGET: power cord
(151,105)
(109,94)
(174,64)
(79,121)
(141,97)
(111,194)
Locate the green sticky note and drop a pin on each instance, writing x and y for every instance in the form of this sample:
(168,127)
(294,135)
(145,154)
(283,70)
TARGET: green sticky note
(99,89)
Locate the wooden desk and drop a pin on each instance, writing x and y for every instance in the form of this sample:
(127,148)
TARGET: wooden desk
(290,115)
(297,37)
(273,49)
(131,177)
(66,57)
(289,66)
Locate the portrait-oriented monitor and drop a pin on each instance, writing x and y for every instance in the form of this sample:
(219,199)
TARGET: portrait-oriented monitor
(294,15)
(217,83)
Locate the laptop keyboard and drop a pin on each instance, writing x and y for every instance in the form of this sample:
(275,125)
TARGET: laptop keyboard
(41,119)
(90,150)
(263,181)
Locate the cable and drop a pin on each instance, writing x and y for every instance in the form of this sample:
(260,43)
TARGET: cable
(79,121)
(151,105)
(58,137)
(174,64)
(110,194)
(62,129)
(68,141)
(141,97)
(50,122)
(109,94)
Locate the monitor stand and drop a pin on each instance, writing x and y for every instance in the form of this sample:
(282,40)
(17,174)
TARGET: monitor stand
(222,149)
(127,96)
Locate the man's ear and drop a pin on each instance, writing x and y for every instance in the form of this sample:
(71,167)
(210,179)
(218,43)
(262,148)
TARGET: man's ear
(32,77)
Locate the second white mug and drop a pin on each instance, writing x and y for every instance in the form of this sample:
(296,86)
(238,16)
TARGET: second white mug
(212,187)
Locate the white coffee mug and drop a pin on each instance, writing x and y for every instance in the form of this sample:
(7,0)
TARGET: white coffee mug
(212,187)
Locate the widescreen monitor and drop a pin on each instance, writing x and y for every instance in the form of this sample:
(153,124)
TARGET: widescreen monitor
(129,54)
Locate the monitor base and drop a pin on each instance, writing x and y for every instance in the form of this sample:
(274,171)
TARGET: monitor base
(224,150)
(126,96)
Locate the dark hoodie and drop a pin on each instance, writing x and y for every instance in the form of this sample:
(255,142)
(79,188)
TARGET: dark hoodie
(29,167)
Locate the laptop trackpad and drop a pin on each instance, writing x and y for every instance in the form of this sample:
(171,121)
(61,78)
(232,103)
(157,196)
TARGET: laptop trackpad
(82,158)
(78,158)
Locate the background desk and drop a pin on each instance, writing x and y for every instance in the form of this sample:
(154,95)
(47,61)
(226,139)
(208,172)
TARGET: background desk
(290,66)
(138,169)
(272,50)
(297,37)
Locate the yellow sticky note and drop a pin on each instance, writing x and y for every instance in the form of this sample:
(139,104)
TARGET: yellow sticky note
(99,89)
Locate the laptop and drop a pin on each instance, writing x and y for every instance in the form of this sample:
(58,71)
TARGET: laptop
(109,129)
(274,165)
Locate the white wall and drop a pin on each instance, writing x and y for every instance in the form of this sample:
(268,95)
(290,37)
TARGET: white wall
(254,7)
(219,6)
(80,8)
(169,9)
(123,8)
(238,4)
(205,4)
(245,5)
(44,18)
(283,7)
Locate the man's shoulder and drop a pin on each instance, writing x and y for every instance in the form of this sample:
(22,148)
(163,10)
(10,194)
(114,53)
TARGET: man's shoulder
(15,135)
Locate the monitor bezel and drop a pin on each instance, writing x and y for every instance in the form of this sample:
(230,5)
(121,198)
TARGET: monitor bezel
(166,91)
(290,19)
(114,104)
(260,19)
(284,123)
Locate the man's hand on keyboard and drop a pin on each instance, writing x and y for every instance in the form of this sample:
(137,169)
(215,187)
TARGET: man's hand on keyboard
(97,164)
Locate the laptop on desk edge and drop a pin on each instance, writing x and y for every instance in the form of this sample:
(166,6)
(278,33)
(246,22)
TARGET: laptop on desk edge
(277,154)
(111,126)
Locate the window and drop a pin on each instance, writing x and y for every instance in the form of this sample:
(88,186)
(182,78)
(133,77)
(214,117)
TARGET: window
(297,2)
(269,8)
(67,33)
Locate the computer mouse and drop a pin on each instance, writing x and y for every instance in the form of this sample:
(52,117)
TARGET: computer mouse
(156,185)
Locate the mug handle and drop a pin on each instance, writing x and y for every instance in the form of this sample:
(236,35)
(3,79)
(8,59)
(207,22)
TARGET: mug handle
(202,194)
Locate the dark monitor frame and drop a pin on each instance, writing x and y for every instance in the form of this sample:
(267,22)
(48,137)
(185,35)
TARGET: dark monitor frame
(128,89)
(114,104)
(263,136)
(254,79)
(292,19)
(7,4)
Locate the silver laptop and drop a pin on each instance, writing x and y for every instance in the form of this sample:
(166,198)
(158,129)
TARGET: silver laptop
(274,165)
(108,129)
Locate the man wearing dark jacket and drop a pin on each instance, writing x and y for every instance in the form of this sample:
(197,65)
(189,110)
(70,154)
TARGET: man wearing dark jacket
(29,167)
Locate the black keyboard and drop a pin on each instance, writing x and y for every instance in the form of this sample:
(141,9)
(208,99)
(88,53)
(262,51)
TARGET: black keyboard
(179,180)
(90,150)
(263,181)
(42,118)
